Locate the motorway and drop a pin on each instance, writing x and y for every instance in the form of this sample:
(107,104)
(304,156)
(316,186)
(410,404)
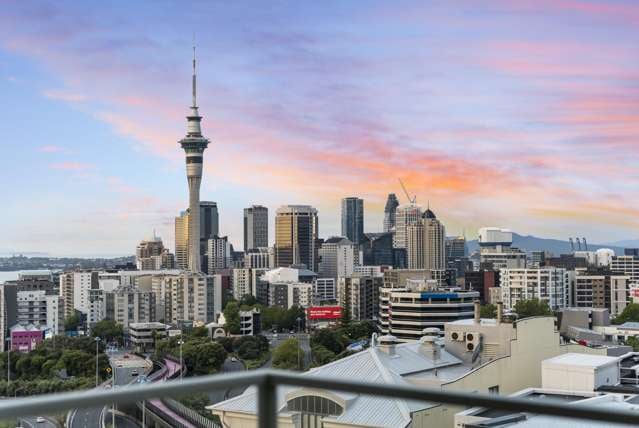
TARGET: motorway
(31,422)
(221,395)
(124,369)
(121,421)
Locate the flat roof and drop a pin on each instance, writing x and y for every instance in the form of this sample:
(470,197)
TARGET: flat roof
(582,360)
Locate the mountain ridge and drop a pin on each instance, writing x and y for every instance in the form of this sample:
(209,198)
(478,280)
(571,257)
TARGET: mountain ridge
(555,246)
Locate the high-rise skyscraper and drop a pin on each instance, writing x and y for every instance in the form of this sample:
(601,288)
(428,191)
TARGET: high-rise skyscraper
(296,231)
(405,215)
(255,227)
(209,220)
(209,229)
(434,242)
(389,212)
(425,243)
(182,240)
(353,219)
(194,145)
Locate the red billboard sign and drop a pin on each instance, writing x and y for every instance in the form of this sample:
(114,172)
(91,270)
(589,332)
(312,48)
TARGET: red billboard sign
(324,312)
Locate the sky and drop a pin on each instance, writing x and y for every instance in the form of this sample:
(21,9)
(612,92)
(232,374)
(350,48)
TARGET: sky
(517,114)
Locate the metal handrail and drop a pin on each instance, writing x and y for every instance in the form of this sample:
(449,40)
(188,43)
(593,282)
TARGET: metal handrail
(267,380)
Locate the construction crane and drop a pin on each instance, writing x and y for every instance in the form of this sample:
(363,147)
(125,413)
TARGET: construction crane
(585,243)
(414,199)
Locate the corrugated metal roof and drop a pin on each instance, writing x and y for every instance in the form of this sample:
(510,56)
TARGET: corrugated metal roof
(371,365)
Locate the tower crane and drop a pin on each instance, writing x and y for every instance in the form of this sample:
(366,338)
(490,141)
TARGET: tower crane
(414,199)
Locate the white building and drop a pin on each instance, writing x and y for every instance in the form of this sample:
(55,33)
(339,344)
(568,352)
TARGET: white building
(370,270)
(325,289)
(109,281)
(337,258)
(82,283)
(260,258)
(551,285)
(219,254)
(242,283)
(627,265)
(405,215)
(43,310)
(579,372)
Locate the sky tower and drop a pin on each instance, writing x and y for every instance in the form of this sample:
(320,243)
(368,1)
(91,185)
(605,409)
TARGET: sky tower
(194,144)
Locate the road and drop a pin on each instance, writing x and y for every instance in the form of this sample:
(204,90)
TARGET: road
(221,395)
(124,369)
(31,422)
(121,421)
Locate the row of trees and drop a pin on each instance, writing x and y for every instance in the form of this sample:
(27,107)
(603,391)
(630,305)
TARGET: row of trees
(272,316)
(200,354)
(331,344)
(57,364)
(523,309)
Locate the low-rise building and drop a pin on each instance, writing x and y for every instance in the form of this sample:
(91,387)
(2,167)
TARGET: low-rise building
(510,362)
(250,322)
(25,337)
(550,285)
(143,335)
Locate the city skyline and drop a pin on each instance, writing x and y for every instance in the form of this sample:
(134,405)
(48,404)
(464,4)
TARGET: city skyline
(531,129)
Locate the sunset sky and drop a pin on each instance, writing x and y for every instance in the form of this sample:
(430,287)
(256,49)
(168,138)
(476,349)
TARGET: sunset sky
(519,114)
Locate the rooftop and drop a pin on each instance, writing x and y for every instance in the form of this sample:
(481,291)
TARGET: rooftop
(409,361)
(583,360)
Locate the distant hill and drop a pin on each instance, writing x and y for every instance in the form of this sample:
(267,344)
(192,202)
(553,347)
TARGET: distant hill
(555,246)
(628,243)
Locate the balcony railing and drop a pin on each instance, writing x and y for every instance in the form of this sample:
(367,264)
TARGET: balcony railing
(268,380)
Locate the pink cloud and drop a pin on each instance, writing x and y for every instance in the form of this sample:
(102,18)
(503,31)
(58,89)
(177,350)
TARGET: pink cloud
(51,149)
(64,95)
(72,166)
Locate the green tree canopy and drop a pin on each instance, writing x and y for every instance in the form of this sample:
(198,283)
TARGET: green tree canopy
(328,338)
(232,317)
(488,311)
(288,355)
(532,308)
(629,314)
(72,322)
(107,330)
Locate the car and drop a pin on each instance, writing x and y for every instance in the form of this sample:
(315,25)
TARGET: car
(234,359)
(40,420)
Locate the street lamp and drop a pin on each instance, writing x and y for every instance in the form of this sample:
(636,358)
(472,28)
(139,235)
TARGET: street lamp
(299,320)
(8,366)
(97,346)
(181,342)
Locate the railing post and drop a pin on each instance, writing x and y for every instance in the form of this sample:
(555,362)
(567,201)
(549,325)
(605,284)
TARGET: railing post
(266,402)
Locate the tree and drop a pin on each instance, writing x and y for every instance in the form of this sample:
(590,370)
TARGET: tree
(322,356)
(108,330)
(634,342)
(288,355)
(329,339)
(629,314)
(72,322)
(248,300)
(210,357)
(488,311)
(532,308)
(360,330)
(226,342)
(232,317)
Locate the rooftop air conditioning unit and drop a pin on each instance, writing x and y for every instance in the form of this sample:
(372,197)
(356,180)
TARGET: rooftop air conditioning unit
(457,336)
(472,341)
